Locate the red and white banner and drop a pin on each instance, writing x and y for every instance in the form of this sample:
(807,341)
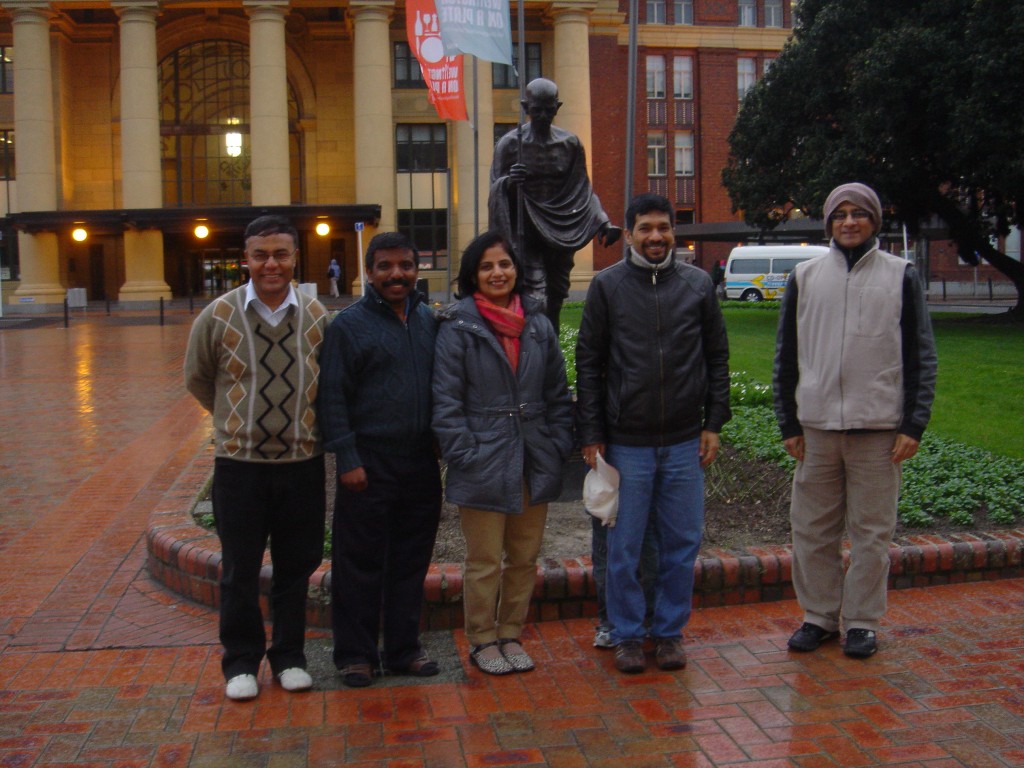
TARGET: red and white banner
(442,74)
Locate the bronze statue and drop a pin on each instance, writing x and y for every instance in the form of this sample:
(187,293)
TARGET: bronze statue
(561,213)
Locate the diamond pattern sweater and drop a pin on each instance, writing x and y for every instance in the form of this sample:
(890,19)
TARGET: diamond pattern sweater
(259,382)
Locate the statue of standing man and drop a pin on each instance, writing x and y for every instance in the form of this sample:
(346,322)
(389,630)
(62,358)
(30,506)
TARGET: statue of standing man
(561,213)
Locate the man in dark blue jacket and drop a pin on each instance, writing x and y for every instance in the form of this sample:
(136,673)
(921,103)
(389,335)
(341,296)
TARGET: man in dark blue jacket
(652,374)
(375,408)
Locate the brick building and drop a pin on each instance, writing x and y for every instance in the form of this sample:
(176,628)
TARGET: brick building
(127,126)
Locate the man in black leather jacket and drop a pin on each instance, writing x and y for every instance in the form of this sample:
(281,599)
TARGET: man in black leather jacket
(652,365)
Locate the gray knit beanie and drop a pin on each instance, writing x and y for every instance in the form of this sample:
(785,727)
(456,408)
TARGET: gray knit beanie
(858,194)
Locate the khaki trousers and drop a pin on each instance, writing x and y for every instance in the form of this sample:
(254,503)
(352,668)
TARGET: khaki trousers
(500,569)
(846,484)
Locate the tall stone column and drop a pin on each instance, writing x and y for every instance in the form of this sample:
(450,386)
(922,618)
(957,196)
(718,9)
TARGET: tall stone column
(471,204)
(268,102)
(374,130)
(140,149)
(35,161)
(572,75)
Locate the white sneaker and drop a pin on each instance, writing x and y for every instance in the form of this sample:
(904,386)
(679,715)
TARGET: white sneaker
(603,637)
(295,679)
(242,687)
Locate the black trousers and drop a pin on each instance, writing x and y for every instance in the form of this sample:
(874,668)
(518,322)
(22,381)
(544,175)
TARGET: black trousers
(382,545)
(252,502)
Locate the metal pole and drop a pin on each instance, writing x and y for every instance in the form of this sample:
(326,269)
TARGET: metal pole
(520,70)
(630,109)
(361,259)
(161,310)
(67,314)
(450,202)
(476,167)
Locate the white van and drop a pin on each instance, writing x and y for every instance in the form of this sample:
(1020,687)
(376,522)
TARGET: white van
(758,272)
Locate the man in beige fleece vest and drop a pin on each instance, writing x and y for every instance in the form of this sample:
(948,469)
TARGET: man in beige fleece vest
(854,383)
(253,363)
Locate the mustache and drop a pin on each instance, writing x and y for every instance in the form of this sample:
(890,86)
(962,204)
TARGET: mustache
(396,281)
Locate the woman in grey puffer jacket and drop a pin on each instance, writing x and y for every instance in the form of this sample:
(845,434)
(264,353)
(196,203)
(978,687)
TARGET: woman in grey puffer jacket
(503,418)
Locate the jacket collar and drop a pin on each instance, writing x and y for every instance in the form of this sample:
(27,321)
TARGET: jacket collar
(373,299)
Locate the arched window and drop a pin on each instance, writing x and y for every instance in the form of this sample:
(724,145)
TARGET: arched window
(204,126)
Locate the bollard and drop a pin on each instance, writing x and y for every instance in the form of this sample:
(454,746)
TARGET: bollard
(943,289)
(161,310)
(67,314)
(108,307)
(190,303)
(990,297)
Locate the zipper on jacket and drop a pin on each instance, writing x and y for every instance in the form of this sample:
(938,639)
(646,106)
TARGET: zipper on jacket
(661,350)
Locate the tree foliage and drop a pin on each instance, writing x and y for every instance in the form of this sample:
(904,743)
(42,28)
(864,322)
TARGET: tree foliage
(921,99)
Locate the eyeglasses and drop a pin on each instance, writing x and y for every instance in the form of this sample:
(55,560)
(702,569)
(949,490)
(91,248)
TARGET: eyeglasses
(262,257)
(857,215)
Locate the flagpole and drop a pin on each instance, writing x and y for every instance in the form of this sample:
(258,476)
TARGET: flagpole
(476,151)
(520,70)
(630,106)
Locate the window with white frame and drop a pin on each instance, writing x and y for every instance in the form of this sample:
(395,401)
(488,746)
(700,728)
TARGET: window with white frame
(421,147)
(421,162)
(656,11)
(684,153)
(766,65)
(682,11)
(656,154)
(505,76)
(6,69)
(773,13)
(745,76)
(682,77)
(655,77)
(748,13)
(407,68)
(7,154)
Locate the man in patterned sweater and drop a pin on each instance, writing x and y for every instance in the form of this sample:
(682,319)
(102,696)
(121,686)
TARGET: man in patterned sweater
(253,363)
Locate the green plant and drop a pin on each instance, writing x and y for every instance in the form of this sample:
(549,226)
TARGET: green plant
(946,482)
(567,340)
(981,365)
(745,390)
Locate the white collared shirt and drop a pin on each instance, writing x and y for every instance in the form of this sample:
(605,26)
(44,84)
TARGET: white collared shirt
(275,316)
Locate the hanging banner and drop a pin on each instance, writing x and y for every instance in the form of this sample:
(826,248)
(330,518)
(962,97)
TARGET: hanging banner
(482,28)
(441,73)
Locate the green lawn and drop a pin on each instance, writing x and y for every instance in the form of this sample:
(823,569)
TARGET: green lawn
(980,395)
(979,398)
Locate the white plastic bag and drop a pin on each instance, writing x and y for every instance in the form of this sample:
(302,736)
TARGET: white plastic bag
(601,492)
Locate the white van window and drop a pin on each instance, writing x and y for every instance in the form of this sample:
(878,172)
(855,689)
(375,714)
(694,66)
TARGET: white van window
(785,265)
(750,266)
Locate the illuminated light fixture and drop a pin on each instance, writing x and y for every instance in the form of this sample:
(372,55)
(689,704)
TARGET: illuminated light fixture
(78,234)
(323,229)
(233,139)
(202,231)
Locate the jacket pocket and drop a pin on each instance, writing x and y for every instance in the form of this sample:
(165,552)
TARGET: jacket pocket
(877,314)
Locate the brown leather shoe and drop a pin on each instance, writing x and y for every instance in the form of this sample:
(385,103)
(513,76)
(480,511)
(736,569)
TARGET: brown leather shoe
(669,653)
(629,657)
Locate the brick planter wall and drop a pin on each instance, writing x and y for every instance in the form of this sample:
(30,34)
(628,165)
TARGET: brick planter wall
(186,559)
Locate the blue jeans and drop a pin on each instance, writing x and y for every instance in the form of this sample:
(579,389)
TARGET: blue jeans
(599,558)
(668,483)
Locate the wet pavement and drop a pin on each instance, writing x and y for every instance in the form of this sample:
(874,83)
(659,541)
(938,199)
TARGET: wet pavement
(101,666)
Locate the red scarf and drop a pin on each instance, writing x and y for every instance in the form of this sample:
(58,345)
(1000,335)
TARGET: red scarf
(507,324)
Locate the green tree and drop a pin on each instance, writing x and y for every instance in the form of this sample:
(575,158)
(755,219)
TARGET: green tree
(921,99)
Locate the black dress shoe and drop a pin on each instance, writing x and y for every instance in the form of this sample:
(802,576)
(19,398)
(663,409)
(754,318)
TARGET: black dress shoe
(809,637)
(860,643)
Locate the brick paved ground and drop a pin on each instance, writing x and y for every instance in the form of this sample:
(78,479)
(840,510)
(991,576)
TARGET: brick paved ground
(101,667)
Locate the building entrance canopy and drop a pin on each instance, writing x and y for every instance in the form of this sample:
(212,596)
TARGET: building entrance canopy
(185,220)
